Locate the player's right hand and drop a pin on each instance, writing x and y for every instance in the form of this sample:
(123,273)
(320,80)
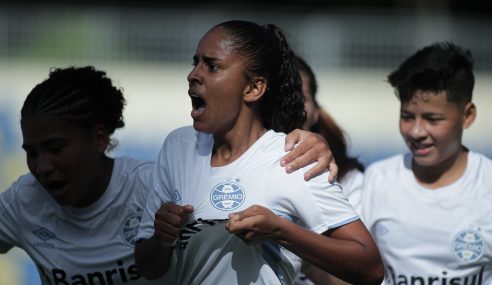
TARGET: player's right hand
(169,220)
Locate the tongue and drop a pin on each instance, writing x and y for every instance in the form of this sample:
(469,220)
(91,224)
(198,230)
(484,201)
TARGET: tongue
(197,112)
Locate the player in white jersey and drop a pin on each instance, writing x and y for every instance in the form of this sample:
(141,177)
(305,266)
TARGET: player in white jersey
(430,211)
(77,212)
(350,171)
(70,245)
(221,204)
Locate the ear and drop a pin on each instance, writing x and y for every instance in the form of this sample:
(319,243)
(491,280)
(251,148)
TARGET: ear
(469,114)
(255,89)
(101,138)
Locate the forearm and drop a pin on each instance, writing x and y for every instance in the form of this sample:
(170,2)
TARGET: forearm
(152,258)
(353,261)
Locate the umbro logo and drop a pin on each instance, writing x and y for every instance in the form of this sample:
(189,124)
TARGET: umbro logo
(45,236)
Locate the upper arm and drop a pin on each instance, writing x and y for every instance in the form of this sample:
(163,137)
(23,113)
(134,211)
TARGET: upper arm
(354,231)
(319,204)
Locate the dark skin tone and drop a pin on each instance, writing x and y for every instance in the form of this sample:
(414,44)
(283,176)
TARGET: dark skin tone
(230,113)
(67,160)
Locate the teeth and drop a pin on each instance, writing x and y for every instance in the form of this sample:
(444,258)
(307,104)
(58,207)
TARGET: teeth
(421,146)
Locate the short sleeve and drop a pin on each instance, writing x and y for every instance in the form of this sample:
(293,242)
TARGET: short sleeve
(159,193)
(9,228)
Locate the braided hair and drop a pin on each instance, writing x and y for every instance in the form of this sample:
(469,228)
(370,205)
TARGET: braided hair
(82,96)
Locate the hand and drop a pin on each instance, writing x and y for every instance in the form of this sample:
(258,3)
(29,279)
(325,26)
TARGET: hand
(254,225)
(168,222)
(311,147)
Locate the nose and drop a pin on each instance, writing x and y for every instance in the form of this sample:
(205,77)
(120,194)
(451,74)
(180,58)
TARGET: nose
(417,129)
(43,165)
(194,75)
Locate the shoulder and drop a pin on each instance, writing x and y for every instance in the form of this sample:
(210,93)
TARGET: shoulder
(25,185)
(131,178)
(352,181)
(185,137)
(479,168)
(387,165)
(272,142)
(128,165)
(385,174)
(483,160)
(24,193)
(186,133)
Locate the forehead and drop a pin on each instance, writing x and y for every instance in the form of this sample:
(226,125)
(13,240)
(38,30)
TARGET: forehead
(216,42)
(40,128)
(430,101)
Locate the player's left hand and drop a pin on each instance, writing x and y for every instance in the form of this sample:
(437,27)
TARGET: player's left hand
(310,147)
(254,224)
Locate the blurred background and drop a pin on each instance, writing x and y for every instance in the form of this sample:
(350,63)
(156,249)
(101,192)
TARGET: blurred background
(147,48)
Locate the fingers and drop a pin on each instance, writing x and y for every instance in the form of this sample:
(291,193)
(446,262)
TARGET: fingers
(254,225)
(323,164)
(244,220)
(309,150)
(311,147)
(166,233)
(292,139)
(168,221)
(333,171)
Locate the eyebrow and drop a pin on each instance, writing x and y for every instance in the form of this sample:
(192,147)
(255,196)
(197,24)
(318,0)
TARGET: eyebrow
(45,142)
(205,58)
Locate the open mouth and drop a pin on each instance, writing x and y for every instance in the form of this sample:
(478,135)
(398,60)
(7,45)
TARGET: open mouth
(54,186)
(197,102)
(198,105)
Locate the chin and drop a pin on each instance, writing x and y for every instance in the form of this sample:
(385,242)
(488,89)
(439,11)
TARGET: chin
(201,128)
(198,127)
(424,161)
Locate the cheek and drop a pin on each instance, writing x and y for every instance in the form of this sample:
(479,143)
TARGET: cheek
(450,136)
(31,165)
(404,127)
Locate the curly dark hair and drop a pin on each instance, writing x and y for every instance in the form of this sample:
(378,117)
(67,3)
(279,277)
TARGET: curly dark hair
(82,96)
(268,54)
(439,67)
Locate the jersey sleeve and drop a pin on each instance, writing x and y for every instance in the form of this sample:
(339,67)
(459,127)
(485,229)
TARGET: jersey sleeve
(317,203)
(143,175)
(159,192)
(9,227)
(330,208)
(352,185)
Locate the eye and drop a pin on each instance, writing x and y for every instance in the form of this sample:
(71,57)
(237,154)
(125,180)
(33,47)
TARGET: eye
(434,119)
(405,116)
(212,67)
(30,153)
(56,148)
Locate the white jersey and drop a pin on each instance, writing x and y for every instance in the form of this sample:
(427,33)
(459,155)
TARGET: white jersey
(205,252)
(352,187)
(91,245)
(441,236)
